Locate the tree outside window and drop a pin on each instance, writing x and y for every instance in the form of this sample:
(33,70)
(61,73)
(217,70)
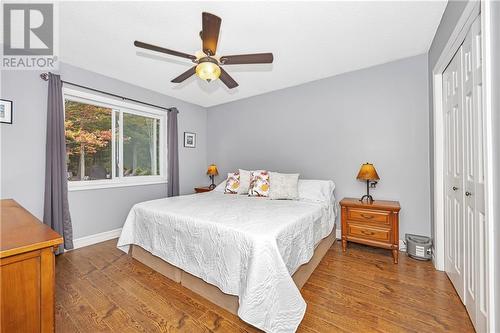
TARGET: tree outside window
(95,143)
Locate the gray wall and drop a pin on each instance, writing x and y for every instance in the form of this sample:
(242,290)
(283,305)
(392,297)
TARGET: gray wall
(451,15)
(23,150)
(326,129)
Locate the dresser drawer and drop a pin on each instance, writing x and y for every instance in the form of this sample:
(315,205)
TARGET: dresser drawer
(368,232)
(370,216)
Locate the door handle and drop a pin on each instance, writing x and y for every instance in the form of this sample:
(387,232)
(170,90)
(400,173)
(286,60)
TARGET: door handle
(454,188)
(468,194)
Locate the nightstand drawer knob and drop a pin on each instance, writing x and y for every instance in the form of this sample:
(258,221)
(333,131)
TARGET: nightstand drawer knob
(368,233)
(368,217)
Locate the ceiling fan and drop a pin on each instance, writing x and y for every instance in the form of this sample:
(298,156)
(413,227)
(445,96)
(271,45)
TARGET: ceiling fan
(208,64)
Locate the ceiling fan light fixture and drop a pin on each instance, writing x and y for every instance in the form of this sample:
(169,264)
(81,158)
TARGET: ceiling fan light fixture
(208,71)
(207,64)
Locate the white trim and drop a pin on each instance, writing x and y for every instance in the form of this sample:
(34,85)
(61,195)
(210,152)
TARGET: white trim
(402,245)
(100,100)
(95,185)
(338,233)
(113,144)
(120,107)
(473,8)
(97,238)
(488,122)
(470,12)
(120,145)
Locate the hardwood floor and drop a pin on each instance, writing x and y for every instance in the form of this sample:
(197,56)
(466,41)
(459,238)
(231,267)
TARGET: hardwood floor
(101,289)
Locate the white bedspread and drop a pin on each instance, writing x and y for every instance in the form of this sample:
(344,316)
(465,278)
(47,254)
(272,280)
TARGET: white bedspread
(246,246)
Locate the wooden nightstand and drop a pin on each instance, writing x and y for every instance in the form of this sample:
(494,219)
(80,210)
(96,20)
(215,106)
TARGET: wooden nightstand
(375,224)
(202,189)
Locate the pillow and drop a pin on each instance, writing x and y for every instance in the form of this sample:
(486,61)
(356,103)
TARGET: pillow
(283,186)
(221,187)
(259,184)
(244,181)
(316,190)
(232,183)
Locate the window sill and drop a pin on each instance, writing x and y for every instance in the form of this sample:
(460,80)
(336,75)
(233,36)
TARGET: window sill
(97,185)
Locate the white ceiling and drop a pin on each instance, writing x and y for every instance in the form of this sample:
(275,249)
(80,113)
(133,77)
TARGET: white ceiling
(310,41)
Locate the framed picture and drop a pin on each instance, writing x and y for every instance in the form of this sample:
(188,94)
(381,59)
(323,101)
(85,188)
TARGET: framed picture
(5,111)
(189,140)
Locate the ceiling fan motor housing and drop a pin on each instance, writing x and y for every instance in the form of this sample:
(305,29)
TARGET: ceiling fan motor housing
(208,59)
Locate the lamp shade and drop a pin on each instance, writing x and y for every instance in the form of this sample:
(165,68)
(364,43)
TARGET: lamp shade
(367,172)
(212,170)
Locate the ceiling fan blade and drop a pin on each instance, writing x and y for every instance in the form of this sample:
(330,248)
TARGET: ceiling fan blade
(227,79)
(210,32)
(256,58)
(163,50)
(185,75)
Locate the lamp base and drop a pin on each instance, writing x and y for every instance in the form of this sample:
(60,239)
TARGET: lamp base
(369,198)
(212,186)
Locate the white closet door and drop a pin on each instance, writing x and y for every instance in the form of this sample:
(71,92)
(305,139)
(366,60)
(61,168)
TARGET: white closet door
(470,175)
(476,283)
(454,234)
(466,240)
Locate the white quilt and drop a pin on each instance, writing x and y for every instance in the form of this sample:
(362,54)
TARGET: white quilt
(246,246)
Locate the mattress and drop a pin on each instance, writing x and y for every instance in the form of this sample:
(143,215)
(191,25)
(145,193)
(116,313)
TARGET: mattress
(246,246)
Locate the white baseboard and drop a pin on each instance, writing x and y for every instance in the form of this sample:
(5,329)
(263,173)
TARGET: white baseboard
(338,233)
(97,238)
(402,245)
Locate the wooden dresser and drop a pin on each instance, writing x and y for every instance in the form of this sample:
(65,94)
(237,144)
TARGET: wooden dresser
(27,271)
(375,224)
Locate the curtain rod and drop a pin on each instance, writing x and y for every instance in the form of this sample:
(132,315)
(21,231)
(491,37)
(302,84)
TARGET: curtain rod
(45,77)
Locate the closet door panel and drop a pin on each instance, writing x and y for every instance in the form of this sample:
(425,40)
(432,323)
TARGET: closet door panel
(481,237)
(466,238)
(454,234)
(470,177)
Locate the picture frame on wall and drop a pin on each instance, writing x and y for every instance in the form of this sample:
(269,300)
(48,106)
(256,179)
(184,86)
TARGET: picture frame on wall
(5,111)
(189,140)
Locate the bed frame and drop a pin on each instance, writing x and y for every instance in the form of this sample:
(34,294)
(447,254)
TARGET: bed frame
(211,292)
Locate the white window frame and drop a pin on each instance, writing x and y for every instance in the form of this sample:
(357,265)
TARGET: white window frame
(119,108)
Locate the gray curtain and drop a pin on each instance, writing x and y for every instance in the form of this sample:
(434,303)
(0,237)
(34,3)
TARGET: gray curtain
(172,154)
(56,208)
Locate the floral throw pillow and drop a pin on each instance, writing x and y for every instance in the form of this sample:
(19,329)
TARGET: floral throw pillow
(259,184)
(232,183)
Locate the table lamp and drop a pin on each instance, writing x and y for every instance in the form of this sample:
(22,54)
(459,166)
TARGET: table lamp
(212,172)
(368,173)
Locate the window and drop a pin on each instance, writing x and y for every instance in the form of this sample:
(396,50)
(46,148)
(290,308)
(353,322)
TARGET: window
(112,143)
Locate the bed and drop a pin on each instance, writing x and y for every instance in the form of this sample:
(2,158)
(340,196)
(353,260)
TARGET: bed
(249,255)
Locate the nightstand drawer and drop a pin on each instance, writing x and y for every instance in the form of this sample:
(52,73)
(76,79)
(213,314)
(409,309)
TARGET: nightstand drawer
(365,215)
(367,232)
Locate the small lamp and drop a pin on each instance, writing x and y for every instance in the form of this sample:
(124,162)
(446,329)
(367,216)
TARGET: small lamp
(368,173)
(212,172)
